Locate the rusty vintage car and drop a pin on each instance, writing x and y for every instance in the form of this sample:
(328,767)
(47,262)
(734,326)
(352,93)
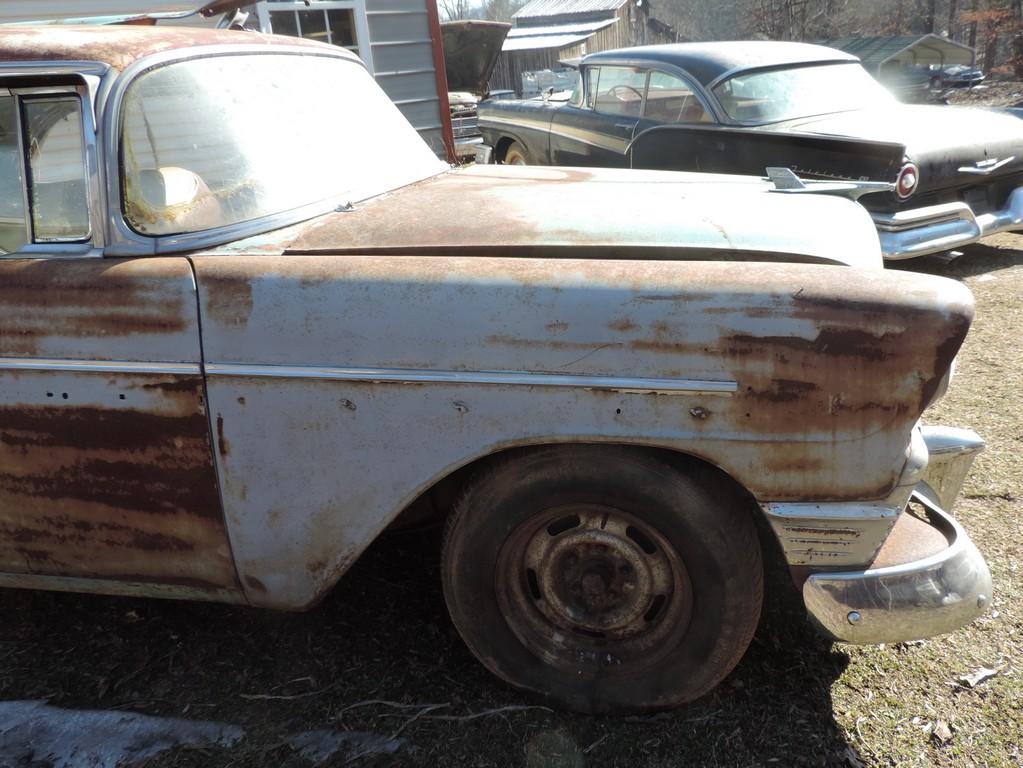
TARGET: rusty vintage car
(235,346)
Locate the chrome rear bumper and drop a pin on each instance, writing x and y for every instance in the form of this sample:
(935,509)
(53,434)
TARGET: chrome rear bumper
(944,584)
(907,234)
(904,602)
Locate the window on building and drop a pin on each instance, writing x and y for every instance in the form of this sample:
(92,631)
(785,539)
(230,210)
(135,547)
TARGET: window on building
(327,22)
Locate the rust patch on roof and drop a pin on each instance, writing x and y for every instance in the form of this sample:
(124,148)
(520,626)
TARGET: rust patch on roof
(119,46)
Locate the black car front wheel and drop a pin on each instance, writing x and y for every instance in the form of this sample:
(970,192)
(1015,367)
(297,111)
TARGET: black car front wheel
(604,578)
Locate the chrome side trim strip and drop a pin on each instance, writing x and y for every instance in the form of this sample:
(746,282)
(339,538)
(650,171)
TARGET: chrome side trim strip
(415,376)
(96,366)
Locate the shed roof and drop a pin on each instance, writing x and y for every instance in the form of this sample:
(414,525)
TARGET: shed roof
(541,8)
(911,49)
(554,36)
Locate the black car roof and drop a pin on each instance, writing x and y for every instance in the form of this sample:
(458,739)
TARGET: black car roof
(708,61)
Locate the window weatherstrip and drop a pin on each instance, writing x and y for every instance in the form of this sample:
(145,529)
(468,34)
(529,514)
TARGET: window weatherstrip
(23,164)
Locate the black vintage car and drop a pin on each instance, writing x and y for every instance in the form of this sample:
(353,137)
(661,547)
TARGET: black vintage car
(955,173)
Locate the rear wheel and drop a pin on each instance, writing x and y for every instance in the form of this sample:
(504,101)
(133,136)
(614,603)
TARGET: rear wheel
(515,155)
(603,577)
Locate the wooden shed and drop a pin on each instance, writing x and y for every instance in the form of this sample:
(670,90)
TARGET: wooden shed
(548,32)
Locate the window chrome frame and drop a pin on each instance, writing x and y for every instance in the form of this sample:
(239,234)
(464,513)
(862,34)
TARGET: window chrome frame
(699,91)
(91,79)
(125,241)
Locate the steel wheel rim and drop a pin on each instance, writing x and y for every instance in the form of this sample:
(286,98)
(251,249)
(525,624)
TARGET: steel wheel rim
(592,589)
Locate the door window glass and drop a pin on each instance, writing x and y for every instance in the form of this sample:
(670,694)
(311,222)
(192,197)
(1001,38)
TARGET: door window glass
(13,231)
(55,149)
(620,91)
(670,99)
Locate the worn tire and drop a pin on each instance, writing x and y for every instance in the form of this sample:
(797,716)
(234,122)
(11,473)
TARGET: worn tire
(578,518)
(515,155)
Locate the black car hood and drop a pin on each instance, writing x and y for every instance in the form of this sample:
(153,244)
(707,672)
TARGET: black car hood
(939,139)
(471,49)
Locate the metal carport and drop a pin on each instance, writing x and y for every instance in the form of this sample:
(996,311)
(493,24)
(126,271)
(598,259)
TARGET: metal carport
(905,50)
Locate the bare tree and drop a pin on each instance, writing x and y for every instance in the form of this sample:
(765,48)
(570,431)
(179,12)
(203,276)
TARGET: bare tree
(457,9)
(500,10)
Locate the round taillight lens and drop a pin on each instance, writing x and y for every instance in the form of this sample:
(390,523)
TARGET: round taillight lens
(907,180)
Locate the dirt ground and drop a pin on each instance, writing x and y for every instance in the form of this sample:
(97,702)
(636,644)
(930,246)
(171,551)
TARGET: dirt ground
(990,93)
(379,674)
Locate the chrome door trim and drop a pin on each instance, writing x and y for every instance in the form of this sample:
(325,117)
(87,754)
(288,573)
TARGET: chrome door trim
(506,378)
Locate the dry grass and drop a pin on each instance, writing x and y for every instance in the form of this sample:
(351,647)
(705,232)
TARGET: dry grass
(384,636)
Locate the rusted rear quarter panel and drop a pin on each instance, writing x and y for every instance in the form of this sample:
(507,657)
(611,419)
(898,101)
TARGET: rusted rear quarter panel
(107,478)
(831,368)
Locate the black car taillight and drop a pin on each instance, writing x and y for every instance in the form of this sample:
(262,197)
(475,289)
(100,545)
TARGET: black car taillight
(907,180)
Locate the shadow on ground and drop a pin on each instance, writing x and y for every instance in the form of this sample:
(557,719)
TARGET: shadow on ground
(381,658)
(992,256)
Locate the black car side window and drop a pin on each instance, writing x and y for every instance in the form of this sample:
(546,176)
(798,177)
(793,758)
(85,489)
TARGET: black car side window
(670,99)
(620,91)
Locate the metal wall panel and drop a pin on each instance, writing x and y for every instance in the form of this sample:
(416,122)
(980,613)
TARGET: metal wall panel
(403,63)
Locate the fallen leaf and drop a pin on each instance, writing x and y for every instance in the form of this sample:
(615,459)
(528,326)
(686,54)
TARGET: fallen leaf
(942,733)
(977,676)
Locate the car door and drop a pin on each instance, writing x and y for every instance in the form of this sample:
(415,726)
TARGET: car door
(598,131)
(107,480)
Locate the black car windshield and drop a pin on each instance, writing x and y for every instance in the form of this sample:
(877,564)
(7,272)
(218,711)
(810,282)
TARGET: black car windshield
(767,96)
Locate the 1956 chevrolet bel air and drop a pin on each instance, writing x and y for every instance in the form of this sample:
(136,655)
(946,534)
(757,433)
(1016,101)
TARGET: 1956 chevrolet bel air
(235,345)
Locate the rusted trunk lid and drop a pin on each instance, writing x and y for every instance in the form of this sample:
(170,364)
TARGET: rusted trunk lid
(589,213)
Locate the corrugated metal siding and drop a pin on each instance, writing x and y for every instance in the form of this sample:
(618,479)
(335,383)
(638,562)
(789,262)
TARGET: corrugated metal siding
(403,63)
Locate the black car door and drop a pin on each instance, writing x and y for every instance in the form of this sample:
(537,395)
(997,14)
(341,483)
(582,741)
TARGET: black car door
(596,130)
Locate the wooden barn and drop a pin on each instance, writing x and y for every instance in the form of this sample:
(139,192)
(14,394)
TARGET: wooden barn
(547,32)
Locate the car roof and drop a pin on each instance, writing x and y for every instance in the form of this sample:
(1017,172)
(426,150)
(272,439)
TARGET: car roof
(708,61)
(118,46)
